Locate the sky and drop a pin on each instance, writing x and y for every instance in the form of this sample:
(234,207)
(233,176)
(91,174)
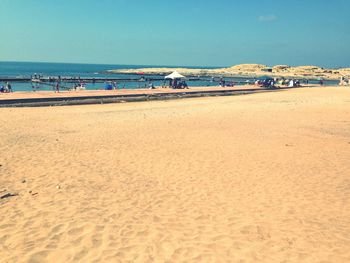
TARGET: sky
(177,32)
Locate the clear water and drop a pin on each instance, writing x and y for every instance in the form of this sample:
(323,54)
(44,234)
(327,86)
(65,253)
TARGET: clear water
(27,69)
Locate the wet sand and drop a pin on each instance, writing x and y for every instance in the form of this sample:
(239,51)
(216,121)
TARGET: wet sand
(119,92)
(257,178)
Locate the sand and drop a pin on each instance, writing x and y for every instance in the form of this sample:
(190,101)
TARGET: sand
(255,178)
(120,92)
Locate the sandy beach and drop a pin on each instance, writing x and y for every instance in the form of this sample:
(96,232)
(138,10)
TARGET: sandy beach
(263,177)
(118,92)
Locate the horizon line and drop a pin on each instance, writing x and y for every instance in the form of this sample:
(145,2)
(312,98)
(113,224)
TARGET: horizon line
(170,66)
(109,64)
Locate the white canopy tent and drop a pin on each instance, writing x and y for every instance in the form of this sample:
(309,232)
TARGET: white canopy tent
(175,75)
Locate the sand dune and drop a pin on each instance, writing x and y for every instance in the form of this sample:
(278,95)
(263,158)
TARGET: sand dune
(255,178)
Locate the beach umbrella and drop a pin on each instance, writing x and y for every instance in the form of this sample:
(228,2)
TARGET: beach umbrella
(175,75)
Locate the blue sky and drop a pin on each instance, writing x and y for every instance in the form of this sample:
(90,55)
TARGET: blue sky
(177,32)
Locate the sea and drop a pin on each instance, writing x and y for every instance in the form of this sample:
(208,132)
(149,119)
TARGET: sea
(72,70)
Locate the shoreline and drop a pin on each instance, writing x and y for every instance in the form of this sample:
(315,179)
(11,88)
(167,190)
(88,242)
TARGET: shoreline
(49,98)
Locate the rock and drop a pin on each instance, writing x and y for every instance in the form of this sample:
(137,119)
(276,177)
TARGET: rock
(24,181)
(251,70)
(279,68)
(58,187)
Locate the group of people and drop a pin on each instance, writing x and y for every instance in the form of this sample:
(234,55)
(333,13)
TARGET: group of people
(223,83)
(177,84)
(344,81)
(294,83)
(267,82)
(272,82)
(6,88)
(112,85)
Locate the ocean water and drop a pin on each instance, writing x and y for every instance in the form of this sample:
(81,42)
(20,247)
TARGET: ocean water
(27,69)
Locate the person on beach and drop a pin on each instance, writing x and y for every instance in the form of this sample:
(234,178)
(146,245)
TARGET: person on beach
(57,87)
(8,87)
(291,83)
(5,87)
(184,85)
(222,82)
(175,84)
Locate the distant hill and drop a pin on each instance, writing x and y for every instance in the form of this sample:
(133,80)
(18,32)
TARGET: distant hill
(248,70)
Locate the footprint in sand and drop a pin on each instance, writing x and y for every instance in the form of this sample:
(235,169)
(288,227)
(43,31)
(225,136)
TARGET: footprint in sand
(82,253)
(75,231)
(56,229)
(38,257)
